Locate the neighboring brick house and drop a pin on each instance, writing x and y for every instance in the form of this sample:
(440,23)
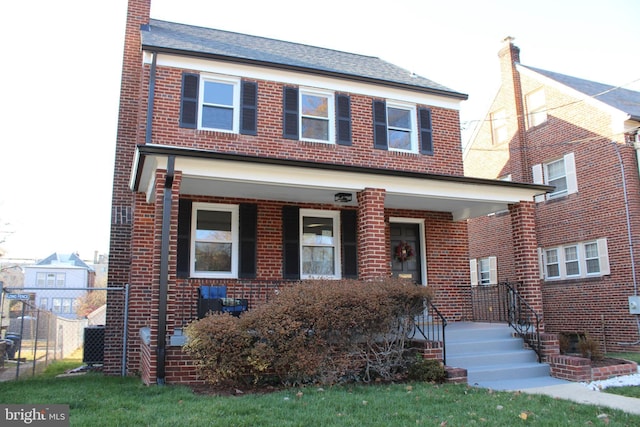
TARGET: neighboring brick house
(581,137)
(255,163)
(57,282)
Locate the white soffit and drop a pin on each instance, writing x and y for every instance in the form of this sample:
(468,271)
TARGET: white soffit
(250,180)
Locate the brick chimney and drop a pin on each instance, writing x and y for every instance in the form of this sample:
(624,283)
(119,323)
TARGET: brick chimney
(509,55)
(513,100)
(122,204)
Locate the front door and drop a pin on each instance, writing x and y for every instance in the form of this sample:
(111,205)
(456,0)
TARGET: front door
(405,251)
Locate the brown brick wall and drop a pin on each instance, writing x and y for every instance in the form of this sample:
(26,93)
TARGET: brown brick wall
(597,306)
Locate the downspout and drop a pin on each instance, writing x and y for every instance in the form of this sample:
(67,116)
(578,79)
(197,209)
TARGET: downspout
(629,234)
(151,99)
(161,350)
(164,271)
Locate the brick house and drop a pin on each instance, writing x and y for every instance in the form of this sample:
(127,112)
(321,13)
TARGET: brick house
(581,137)
(255,163)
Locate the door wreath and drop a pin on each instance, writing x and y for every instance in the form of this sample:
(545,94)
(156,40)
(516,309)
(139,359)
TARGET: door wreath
(404,252)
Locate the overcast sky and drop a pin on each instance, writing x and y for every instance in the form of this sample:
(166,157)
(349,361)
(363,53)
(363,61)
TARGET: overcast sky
(60,80)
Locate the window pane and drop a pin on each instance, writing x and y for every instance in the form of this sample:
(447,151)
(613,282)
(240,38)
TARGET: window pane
(215,257)
(553,269)
(593,261)
(555,170)
(218,93)
(317,231)
(213,226)
(398,118)
(400,140)
(318,261)
(315,129)
(217,117)
(317,106)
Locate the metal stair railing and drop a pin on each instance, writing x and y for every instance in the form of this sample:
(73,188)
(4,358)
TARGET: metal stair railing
(523,318)
(502,303)
(430,326)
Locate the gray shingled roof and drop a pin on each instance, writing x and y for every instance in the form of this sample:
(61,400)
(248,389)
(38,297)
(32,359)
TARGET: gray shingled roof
(169,36)
(622,99)
(62,259)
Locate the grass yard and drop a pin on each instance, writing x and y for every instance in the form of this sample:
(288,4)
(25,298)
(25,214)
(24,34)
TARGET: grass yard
(96,400)
(629,391)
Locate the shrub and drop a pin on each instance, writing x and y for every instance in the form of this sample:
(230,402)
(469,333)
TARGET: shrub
(429,370)
(219,346)
(564,342)
(589,348)
(322,331)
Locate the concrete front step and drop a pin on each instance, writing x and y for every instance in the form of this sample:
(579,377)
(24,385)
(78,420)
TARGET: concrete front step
(490,352)
(484,346)
(470,360)
(478,374)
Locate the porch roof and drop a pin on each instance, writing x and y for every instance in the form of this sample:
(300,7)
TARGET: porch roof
(242,176)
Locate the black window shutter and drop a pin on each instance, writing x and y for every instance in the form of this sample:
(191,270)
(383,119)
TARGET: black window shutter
(189,101)
(249,108)
(184,238)
(348,223)
(343,119)
(248,231)
(291,242)
(426,131)
(290,119)
(380,125)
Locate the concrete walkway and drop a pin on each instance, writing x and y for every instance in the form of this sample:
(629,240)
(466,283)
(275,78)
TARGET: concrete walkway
(577,392)
(568,390)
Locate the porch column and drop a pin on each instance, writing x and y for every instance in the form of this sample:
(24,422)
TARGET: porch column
(373,261)
(525,252)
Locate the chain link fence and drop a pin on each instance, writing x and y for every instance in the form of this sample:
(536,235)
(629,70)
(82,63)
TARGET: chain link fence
(31,337)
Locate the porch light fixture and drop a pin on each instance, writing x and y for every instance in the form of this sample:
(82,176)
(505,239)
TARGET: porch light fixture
(343,197)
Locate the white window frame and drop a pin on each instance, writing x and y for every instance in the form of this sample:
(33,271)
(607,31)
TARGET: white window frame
(336,245)
(499,126)
(218,207)
(61,280)
(235,83)
(413,130)
(603,260)
(476,270)
(331,115)
(56,305)
(540,174)
(536,107)
(44,303)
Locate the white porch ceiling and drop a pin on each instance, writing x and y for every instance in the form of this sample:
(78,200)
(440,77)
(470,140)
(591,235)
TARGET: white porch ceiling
(463,198)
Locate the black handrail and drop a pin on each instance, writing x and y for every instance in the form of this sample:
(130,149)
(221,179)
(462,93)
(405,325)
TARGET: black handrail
(523,318)
(430,327)
(502,303)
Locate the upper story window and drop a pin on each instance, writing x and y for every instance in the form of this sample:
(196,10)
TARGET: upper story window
(219,103)
(320,244)
(560,173)
(50,280)
(536,107)
(317,119)
(484,271)
(402,127)
(578,260)
(214,240)
(219,107)
(316,115)
(499,126)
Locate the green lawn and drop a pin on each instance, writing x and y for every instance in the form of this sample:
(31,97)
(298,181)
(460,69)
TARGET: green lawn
(96,400)
(629,391)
